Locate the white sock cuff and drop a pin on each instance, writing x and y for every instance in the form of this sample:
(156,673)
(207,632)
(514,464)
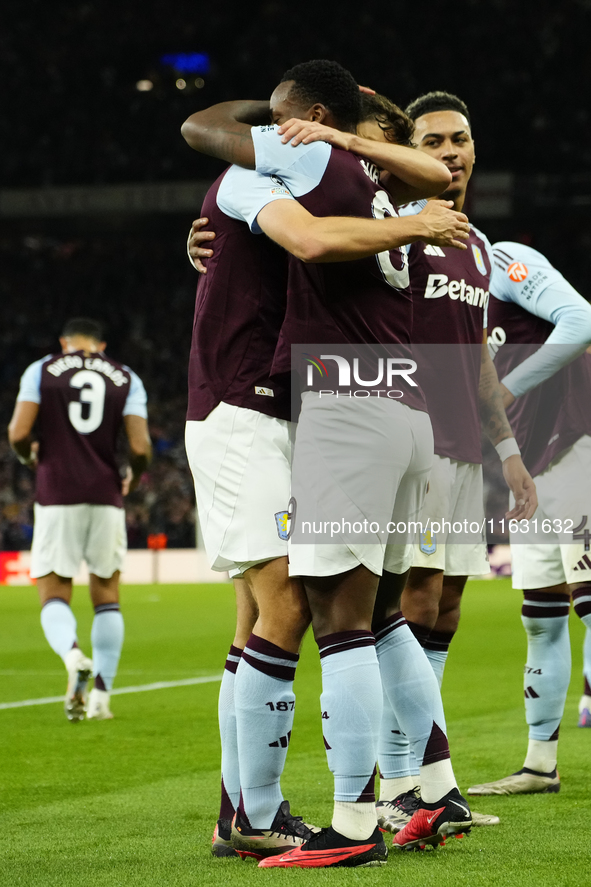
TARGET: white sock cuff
(437,780)
(356,821)
(391,788)
(541,755)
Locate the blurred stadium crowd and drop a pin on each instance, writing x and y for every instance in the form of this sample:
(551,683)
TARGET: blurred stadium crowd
(143,287)
(74,114)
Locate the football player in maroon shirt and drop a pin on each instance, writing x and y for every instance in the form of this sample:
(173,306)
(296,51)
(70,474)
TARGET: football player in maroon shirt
(367,311)
(68,414)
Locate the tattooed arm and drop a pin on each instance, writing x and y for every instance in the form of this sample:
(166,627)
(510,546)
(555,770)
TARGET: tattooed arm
(492,411)
(497,428)
(223,130)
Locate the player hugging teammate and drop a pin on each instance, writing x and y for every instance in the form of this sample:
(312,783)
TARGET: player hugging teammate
(331,232)
(315,161)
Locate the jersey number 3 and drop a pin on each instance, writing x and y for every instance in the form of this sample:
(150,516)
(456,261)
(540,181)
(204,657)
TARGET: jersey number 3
(92,392)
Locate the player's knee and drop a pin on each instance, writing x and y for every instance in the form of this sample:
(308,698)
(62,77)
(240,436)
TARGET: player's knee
(419,608)
(287,633)
(104,591)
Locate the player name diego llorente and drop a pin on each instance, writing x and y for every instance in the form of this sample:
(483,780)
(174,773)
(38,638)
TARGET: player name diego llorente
(98,364)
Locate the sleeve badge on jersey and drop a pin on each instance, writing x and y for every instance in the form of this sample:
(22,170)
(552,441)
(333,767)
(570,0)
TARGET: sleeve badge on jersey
(479,259)
(283,518)
(427,542)
(517,272)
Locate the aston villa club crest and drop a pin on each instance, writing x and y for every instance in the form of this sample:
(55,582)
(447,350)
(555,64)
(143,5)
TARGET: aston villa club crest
(427,542)
(479,259)
(284,520)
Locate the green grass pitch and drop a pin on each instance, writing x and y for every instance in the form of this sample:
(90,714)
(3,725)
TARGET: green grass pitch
(133,801)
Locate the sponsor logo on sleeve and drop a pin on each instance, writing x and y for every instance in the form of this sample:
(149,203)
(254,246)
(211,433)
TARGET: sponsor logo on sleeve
(279,188)
(517,272)
(266,392)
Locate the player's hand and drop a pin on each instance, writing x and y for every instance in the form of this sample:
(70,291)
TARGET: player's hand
(521,484)
(306,131)
(194,250)
(34,455)
(445,226)
(126,482)
(508,398)
(367,90)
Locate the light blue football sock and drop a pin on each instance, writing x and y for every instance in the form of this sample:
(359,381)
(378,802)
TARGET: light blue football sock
(437,658)
(107,640)
(264,703)
(351,704)
(393,753)
(228,737)
(436,647)
(548,667)
(59,626)
(410,683)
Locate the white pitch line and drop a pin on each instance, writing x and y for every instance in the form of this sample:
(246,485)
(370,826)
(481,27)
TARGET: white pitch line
(142,688)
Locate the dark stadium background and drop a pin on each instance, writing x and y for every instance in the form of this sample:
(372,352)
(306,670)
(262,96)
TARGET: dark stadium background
(74,116)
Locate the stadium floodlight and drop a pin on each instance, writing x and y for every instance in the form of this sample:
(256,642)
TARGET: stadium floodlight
(187,62)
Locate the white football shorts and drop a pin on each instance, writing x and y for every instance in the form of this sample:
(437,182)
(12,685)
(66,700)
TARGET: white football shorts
(65,535)
(241,465)
(360,472)
(560,550)
(454,538)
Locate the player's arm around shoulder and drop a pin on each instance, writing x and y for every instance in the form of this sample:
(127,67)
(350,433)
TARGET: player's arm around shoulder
(408,174)
(315,239)
(224,130)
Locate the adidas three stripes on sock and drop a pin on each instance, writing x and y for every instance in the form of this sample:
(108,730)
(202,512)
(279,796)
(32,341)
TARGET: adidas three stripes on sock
(264,703)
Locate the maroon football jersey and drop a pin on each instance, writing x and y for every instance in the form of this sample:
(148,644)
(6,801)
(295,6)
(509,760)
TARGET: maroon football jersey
(364,302)
(451,292)
(239,309)
(82,398)
(554,415)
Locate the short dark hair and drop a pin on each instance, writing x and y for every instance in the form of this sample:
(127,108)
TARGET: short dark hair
(396,124)
(437,101)
(329,84)
(84,326)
